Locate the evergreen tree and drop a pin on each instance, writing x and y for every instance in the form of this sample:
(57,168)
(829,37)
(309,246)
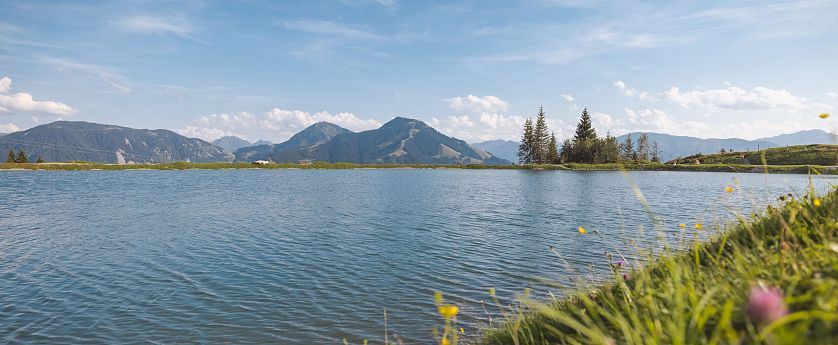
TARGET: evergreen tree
(643,147)
(656,156)
(21,157)
(627,149)
(585,129)
(40,160)
(567,151)
(11,157)
(525,148)
(540,138)
(552,150)
(606,150)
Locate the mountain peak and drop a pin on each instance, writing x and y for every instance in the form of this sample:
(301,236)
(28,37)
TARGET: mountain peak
(401,121)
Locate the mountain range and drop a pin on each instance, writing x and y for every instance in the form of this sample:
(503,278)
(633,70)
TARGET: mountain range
(62,141)
(401,140)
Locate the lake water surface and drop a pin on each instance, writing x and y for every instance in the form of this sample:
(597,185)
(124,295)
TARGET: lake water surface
(313,256)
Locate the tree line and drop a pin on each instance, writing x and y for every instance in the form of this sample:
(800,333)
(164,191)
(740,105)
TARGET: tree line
(20,157)
(539,147)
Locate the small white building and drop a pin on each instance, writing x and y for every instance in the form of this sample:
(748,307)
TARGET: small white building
(261,162)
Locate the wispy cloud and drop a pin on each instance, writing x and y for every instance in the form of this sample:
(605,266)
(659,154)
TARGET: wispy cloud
(322,27)
(99,72)
(158,25)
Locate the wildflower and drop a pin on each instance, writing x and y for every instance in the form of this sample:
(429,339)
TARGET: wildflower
(816,202)
(625,276)
(766,305)
(729,189)
(438,297)
(698,226)
(682,225)
(619,263)
(445,341)
(448,310)
(462,331)
(492,292)
(823,115)
(582,230)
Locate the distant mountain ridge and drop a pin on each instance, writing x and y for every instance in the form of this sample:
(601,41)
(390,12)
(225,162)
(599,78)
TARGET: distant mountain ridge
(231,143)
(312,135)
(674,146)
(812,136)
(61,141)
(506,149)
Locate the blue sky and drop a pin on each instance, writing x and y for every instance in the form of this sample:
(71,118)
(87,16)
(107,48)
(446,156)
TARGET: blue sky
(474,70)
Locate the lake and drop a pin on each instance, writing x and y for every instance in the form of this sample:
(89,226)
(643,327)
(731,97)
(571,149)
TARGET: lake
(313,256)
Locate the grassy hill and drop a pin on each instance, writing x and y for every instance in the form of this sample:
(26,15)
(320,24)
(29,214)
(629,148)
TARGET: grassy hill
(816,154)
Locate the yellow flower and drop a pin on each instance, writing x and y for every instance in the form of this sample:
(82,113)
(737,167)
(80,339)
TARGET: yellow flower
(823,116)
(438,297)
(682,225)
(816,202)
(698,226)
(582,230)
(462,330)
(365,342)
(492,292)
(445,341)
(729,189)
(448,310)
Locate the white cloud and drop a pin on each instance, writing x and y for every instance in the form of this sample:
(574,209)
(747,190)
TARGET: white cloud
(142,24)
(568,98)
(5,84)
(832,94)
(8,128)
(477,104)
(631,92)
(736,98)
(647,120)
(276,125)
(23,102)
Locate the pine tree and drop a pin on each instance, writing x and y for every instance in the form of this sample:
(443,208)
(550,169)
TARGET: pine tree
(627,148)
(584,130)
(540,137)
(552,150)
(643,147)
(11,157)
(525,148)
(21,157)
(656,156)
(40,159)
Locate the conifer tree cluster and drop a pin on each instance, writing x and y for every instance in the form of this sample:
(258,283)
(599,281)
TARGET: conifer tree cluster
(587,147)
(537,146)
(20,157)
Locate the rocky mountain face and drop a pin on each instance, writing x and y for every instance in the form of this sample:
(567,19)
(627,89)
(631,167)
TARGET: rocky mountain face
(75,140)
(401,140)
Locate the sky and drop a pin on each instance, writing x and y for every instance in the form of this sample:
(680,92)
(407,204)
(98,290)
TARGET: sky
(473,70)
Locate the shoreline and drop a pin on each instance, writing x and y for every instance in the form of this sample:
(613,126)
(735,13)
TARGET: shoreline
(737,168)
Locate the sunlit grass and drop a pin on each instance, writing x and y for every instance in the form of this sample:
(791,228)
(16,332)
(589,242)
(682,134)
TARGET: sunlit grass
(770,279)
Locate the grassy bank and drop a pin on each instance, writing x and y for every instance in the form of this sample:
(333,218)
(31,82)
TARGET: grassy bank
(772,279)
(788,169)
(815,154)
